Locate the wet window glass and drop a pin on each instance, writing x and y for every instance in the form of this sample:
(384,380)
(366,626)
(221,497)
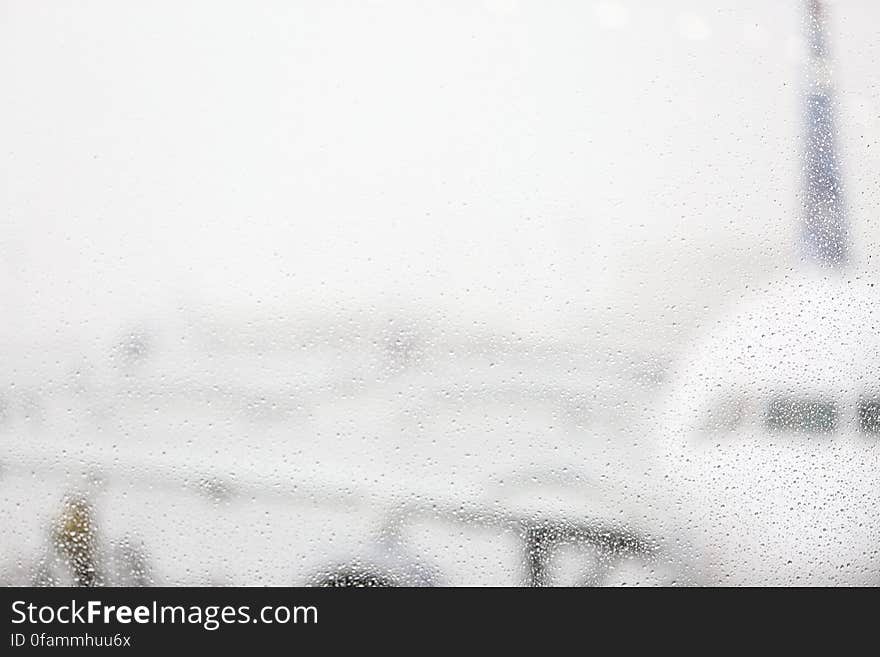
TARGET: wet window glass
(727,414)
(477,292)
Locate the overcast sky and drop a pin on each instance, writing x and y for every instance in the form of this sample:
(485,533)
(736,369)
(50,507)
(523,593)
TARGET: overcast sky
(535,166)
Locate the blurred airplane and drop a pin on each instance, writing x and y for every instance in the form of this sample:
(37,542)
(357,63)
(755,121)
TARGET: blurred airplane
(770,438)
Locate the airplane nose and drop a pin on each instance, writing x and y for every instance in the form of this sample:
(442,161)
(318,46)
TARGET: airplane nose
(784,512)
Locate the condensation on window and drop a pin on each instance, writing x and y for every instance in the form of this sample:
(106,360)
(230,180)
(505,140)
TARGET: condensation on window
(477,292)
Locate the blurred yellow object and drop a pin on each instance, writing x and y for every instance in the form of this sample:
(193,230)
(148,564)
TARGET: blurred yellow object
(75,539)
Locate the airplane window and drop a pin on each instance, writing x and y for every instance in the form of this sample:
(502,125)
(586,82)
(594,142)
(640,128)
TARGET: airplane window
(802,415)
(503,292)
(869,415)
